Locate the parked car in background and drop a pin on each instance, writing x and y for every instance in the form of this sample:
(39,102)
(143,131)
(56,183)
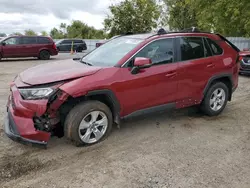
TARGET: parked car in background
(66,44)
(125,77)
(245,62)
(27,46)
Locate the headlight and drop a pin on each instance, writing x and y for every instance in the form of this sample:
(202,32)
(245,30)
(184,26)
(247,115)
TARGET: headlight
(36,93)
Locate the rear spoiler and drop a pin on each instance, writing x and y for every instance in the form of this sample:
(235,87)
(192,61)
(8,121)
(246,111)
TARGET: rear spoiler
(229,43)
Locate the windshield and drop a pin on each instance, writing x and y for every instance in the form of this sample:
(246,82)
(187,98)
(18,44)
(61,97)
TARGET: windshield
(111,52)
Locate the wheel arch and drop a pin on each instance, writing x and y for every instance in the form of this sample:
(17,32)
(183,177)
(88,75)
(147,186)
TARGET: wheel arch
(225,78)
(105,96)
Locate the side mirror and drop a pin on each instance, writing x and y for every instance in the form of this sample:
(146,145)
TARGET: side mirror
(141,63)
(3,43)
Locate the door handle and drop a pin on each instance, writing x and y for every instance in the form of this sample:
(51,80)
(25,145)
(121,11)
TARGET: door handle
(210,65)
(171,74)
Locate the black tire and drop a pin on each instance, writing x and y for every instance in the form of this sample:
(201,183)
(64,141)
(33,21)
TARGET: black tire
(205,105)
(44,55)
(79,49)
(76,115)
(0,56)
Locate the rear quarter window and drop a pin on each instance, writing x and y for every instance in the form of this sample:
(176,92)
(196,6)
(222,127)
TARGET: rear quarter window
(216,49)
(43,40)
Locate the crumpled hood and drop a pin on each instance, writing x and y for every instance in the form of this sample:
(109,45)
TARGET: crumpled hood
(56,71)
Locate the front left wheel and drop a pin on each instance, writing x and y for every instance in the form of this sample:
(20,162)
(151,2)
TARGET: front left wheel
(88,123)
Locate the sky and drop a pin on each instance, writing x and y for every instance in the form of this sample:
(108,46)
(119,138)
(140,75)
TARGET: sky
(40,15)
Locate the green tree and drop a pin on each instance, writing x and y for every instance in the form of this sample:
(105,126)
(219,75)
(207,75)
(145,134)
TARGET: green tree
(16,34)
(228,17)
(44,33)
(79,29)
(56,34)
(135,16)
(30,32)
(181,14)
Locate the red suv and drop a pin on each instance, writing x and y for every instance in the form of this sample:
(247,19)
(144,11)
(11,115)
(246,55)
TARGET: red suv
(127,76)
(27,46)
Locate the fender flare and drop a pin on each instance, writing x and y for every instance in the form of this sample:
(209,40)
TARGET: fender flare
(216,77)
(112,99)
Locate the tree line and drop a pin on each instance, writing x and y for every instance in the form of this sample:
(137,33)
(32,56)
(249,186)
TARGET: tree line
(227,17)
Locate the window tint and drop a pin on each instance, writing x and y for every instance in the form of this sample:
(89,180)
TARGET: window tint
(67,42)
(216,49)
(12,41)
(28,40)
(207,49)
(191,48)
(78,41)
(43,40)
(160,52)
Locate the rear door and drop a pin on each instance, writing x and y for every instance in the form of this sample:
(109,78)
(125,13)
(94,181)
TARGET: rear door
(30,47)
(12,47)
(197,65)
(66,45)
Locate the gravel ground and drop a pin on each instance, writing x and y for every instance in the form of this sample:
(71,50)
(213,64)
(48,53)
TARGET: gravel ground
(174,149)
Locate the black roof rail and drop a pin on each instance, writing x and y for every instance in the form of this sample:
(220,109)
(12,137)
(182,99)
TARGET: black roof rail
(192,29)
(161,31)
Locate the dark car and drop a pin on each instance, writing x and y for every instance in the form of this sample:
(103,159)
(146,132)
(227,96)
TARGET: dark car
(66,44)
(245,62)
(27,46)
(127,76)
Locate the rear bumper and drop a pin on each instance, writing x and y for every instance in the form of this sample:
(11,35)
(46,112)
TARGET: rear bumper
(11,131)
(244,71)
(54,52)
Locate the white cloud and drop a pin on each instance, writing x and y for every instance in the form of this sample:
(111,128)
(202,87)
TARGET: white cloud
(39,15)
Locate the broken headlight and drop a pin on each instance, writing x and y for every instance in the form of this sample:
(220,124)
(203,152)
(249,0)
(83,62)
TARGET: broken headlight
(36,93)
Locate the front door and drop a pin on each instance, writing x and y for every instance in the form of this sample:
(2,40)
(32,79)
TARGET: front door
(154,86)
(12,47)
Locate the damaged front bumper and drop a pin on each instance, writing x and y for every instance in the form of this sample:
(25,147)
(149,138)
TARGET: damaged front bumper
(11,131)
(19,124)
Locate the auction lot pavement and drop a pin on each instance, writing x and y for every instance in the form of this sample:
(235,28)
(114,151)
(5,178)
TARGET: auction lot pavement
(174,149)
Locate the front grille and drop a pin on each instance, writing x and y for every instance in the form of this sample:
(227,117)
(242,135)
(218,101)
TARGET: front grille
(244,64)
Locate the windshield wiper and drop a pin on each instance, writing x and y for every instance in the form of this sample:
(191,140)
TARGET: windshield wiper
(86,63)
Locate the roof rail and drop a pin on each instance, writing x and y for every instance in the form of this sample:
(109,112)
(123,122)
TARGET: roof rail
(192,29)
(161,31)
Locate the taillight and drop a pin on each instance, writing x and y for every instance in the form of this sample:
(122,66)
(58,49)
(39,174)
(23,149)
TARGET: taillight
(54,46)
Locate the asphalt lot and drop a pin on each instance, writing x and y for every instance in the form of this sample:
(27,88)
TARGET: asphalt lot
(176,149)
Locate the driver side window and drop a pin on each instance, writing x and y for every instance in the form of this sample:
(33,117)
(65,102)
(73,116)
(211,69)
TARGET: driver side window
(12,41)
(160,52)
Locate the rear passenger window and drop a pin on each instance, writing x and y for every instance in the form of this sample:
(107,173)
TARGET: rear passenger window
(43,40)
(216,49)
(67,42)
(191,48)
(28,40)
(78,41)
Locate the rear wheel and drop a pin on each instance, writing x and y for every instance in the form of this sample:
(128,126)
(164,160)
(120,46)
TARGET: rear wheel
(0,56)
(79,49)
(88,123)
(44,55)
(215,99)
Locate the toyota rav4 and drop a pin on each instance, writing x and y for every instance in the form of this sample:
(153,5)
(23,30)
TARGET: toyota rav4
(127,76)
